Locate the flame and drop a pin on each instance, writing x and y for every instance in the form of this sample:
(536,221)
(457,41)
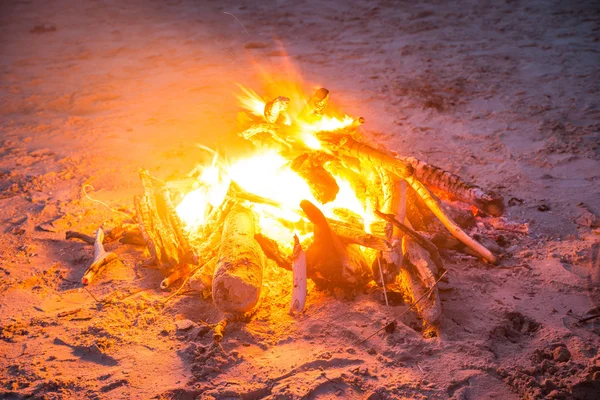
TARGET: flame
(268,174)
(251,101)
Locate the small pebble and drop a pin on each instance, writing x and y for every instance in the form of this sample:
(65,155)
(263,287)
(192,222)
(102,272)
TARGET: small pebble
(561,354)
(184,324)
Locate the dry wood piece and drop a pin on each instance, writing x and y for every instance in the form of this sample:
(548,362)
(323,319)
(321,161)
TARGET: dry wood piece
(418,238)
(178,273)
(318,102)
(237,280)
(454,229)
(490,202)
(330,263)
(387,265)
(161,227)
(299,283)
(417,277)
(272,251)
(347,145)
(350,234)
(101,259)
(322,184)
(81,236)
(275,109)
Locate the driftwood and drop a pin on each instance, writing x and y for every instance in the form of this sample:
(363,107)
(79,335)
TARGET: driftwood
(418,238)
(387,265)
(180,272)
(316,105)
(275,110)
(490,202)
(101,259)
(272,251)
(454,229)
(350,147)
(346,144)
(161,227)
(237,280)
(417,277)
(299,283)
(330,263)
(322,184)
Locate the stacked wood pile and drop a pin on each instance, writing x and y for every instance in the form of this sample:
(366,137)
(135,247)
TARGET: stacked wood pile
(228,254)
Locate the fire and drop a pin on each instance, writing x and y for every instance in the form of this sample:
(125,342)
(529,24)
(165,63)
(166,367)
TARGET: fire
(268,174)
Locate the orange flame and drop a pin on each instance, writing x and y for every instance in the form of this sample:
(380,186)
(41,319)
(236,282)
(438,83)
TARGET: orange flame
(267,173)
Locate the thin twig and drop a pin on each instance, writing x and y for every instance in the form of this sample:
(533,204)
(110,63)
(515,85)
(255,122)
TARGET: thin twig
(586,319)
(184,282)
(405,311)
(93,297)
(240,22)
(382,282)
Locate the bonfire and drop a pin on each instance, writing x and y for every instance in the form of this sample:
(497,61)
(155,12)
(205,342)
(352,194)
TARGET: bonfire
(316,197)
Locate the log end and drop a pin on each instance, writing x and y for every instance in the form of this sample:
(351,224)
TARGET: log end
(235,295)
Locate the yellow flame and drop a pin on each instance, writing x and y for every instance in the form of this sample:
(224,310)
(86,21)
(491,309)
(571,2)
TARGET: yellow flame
(268,174)
(251,101)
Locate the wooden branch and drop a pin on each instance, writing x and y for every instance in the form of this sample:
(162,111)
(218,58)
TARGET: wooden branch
(418,276)
(77,235)
(488,201)
(417,237)
(454,229)
(352,235)
(316,105)
(275,109)
(299,283)
(177,274)
(348,146)
(322,184)
(161,227)
(237,280)
(101,259)
(272,251)
(329,261)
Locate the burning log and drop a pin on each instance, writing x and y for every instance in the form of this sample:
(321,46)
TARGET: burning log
(161,227)
(322,184)
(101,259)
(275,110)
(272,251)
(237,280)
(417,277)
(316,105)
(346,144)
(299,284)
(387,265)
(490,202)
(418,238)
(329,261)
(352,235)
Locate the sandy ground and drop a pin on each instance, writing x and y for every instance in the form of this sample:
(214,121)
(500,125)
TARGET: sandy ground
(503,93)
